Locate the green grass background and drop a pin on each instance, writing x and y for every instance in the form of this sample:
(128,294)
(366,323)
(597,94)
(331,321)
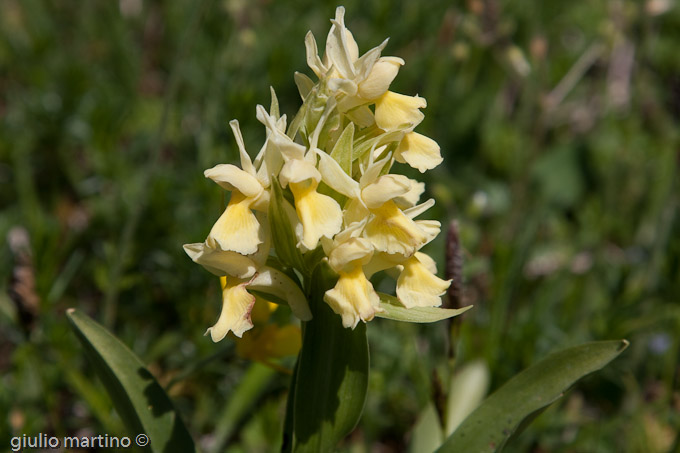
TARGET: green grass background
(558,123)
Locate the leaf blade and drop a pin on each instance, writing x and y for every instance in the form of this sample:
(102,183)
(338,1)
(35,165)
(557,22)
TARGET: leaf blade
(392,309)
(140,401)
(494,421)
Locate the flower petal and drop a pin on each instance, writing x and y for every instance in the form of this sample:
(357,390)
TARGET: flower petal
(319,214)
(246,163)
(272,281)
(341,48)
(431,228)
(395,111)
(313,60)
(221,262)
(297,171)
(365,64)
(237,229)
(419,152)
(354,252)
(283,144)
(427,261)
(384,189)
(372,172)
(362,116)
(230,177)
(236,307)
(419,209)
(410,198)
(418,287)
(380,78)
(353,298)
(391,231)
(335,176)
(270,163)
(383,261)
(345,86)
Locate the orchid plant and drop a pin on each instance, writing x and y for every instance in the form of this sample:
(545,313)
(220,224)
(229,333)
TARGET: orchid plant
(310,223)
(328,173)
(319,204)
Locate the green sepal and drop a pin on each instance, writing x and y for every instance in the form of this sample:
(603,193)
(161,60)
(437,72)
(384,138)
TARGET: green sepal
(488,428)
(394,310)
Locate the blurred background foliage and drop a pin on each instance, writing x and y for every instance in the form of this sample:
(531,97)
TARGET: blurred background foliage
(558,124)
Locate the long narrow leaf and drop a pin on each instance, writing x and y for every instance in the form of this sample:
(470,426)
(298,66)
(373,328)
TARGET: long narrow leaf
(140,401)
(493,422)
(392,309)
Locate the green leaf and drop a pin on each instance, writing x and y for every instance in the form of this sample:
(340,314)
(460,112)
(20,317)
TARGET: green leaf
(493,422)
(342,151)
(283,235)
(140,401)
(397,312)
(331,378)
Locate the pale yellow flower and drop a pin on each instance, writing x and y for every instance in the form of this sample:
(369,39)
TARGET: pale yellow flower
(380,78)
(320,215)
(419,152)
(236,306)
(356,80)
(353,297)
(417,285)
(389,229)
(237,302)
(394,111)
(220,262)
(238,229)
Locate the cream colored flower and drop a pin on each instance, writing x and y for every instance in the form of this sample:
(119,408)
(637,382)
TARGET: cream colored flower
(353,297)
(236,306)
(356,80)
(237,302)
(320,215)
(419,152)
(388,229)
(417,285)
(394,111)
(238,229)
(380,77)
(220,262)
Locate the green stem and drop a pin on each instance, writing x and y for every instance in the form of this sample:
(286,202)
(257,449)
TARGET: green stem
(329,387)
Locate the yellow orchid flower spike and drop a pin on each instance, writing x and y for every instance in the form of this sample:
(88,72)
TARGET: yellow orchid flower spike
(322,192)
